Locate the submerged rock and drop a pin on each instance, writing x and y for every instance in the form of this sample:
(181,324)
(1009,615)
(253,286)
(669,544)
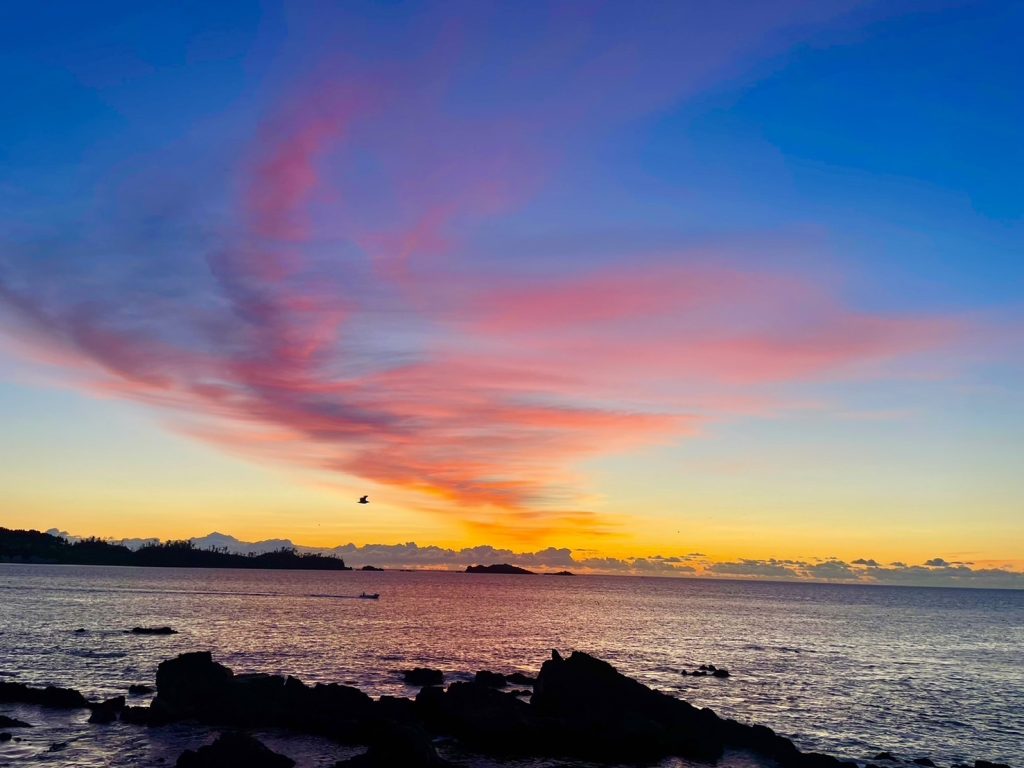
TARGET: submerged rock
(233,750)
(153,631)
(423,676)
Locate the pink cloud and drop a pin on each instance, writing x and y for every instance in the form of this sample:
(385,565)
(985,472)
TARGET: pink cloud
(342,320)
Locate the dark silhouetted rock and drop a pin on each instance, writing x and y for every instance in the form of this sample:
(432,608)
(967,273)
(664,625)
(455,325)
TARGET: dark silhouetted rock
(107,711)
(505,568)
(926,762)
(80,630)
(720,673)
(51,696)
(370,568)
(140,690)
(987,764)
(423,676)
(518,678)
(559,573)
(395,709)
(397,744)
(190,685)
(6,736)
(490,720)
(490,679)
(12,722)
(233,750)
(153,631)
(607,715)
(885,756)
(707,667)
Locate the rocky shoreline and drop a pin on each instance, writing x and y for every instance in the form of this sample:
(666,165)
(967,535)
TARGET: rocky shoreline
(579,708)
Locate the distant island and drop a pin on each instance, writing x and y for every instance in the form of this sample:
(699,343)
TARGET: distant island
(513,570)
(18,546)
(499,568)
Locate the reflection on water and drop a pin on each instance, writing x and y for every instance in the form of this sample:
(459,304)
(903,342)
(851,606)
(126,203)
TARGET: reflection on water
(844,669)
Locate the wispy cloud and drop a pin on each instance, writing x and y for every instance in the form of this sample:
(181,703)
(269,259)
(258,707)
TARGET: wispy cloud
(343,312)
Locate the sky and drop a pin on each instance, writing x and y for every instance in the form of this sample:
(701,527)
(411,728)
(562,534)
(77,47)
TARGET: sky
(738,286)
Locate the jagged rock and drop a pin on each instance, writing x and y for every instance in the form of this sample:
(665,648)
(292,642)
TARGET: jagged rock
(520,679)
(926,762)
(397,744)
(153,631)
(189,684)
(490,679)
(140,689)
(489,719)
(605,713)
(12,722)
(233,750)
(720,673)
(193,685)
(423,676)
(107,711)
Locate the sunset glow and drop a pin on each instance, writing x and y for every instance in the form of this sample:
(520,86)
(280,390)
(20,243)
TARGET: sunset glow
(528,275)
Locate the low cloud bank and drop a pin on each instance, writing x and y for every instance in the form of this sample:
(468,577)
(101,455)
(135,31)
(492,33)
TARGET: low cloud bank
(936,572)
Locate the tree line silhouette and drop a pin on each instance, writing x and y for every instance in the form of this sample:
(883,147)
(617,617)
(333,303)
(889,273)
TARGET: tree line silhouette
(18,546)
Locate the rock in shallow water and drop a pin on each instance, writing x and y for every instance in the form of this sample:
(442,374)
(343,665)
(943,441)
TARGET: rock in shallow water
(233,750)
(12,722)
(153,631)
(423,676)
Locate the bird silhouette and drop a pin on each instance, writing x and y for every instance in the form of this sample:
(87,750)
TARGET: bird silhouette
(364,499)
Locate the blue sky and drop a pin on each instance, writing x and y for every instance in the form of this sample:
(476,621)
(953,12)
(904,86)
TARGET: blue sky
(743,279)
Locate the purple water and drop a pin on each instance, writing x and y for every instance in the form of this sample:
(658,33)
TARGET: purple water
(849,670)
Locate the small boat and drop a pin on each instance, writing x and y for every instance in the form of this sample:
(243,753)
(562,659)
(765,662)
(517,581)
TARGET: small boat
(367,596)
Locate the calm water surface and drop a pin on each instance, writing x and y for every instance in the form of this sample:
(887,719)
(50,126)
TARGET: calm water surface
(849,670)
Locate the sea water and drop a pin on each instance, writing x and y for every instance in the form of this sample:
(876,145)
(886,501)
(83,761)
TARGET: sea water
(849,670)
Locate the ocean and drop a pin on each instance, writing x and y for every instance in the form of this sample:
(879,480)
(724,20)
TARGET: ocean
(849,670)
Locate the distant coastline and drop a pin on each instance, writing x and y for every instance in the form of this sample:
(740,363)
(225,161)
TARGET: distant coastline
(20,546)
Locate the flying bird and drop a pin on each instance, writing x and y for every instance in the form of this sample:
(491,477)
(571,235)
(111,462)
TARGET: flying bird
(364,499)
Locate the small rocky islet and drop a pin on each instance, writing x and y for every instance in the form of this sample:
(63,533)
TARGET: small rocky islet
(581,708)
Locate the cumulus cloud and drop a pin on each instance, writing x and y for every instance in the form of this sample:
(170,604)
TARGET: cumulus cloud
(936,572)
(870,563)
